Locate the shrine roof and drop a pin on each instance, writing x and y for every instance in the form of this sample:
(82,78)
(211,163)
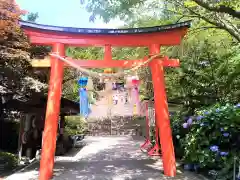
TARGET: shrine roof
(37,102)
(145,30)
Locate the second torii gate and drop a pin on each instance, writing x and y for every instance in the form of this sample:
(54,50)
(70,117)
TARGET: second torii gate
(59,37)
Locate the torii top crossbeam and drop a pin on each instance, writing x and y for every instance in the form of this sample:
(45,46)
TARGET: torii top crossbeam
(166,35)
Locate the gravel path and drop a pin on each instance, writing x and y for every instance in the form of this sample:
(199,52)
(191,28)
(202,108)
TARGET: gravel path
(106,158)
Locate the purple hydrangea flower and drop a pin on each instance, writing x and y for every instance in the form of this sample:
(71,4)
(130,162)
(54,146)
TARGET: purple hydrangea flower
(189,121)
(214,148)
(199,118)
(185,125)
(206,112)
(221,129)
(225,134)
(224,153)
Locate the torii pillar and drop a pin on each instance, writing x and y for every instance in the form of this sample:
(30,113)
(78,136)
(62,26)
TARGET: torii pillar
(52,114)
(161,114)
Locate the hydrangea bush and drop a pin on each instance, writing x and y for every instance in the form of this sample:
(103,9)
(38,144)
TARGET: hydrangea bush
(210,140)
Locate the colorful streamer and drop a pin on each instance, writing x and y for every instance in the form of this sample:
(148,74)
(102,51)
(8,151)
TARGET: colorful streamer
(83,97)
(84,105)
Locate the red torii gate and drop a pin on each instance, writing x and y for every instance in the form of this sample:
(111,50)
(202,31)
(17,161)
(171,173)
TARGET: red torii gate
(151,37)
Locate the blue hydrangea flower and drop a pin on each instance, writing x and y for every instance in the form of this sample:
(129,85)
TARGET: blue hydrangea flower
(189,121)
(206,112)
(224,153)
(214,148)
(217,110)
(221,129)
(185,125)
(225,134)
(199,117)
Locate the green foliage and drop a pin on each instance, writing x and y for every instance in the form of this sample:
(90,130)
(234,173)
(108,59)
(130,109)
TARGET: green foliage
(110,9)
(210,138)
(209,71)
(75,125)
(32,17)
(85,53)
(8,161)
(220,14)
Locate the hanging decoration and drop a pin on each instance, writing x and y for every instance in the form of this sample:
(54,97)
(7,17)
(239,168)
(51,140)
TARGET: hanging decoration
(108,86)
(135,95)
(107,71)
(84,105)
(109,90)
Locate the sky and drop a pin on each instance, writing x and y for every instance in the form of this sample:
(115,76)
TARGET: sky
(63,13)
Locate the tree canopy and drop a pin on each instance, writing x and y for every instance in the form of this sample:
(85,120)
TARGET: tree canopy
(14,47)
(17,78)
(222,14)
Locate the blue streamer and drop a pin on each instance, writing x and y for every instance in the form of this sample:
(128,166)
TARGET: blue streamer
(82,82)
(84,105)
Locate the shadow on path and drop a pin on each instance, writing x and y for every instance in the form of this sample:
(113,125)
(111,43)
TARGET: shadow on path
(106,158)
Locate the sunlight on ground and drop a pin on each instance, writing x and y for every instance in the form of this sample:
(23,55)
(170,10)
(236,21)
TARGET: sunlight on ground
(107,158)
(22,175)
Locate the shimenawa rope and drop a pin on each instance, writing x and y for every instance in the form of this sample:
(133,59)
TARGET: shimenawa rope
(101,75)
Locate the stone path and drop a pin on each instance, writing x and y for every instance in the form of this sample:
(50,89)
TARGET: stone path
(106,158)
